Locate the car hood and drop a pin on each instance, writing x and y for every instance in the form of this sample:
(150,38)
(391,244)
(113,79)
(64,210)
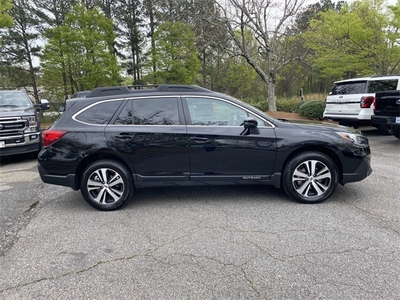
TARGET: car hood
(6,112)
(315,126)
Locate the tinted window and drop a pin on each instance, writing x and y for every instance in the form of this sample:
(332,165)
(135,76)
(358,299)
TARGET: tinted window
(100,113)
(214,112)
(347,88)
(151,111)
(382,85)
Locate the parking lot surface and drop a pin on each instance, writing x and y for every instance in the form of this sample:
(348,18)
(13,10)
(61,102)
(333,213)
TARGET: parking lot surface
(202,243)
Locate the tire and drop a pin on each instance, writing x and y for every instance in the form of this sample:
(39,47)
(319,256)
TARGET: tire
(106,185)
(385,129)
(396,131)
(300,180)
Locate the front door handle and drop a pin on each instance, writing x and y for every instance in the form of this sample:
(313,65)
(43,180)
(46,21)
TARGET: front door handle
(199,139)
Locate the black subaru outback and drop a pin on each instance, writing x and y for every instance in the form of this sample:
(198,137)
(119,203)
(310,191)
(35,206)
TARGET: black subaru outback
(119,139)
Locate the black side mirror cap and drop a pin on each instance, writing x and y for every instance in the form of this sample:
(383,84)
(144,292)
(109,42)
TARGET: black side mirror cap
(250,126)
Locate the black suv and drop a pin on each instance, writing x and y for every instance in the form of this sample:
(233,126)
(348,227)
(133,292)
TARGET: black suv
(118,139)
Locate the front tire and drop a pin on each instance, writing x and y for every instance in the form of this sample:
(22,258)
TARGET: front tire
(310,177)
(106,185)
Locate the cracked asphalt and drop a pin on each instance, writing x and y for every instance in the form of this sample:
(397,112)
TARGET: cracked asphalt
(203,242)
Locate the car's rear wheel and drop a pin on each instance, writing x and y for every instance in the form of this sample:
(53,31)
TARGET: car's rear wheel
(396,131)
(106,185)
(310,177)
(385,129)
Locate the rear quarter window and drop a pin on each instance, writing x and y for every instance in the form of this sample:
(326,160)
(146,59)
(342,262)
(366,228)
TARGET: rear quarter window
(382,85)
(99,113)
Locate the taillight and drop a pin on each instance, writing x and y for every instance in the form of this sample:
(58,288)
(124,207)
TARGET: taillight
(367,101)
(51,136)
(325,103)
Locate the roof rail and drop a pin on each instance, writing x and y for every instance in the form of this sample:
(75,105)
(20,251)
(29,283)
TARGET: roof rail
(131,89)
(387,75)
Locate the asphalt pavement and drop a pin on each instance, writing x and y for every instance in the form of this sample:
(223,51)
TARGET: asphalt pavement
(204,242)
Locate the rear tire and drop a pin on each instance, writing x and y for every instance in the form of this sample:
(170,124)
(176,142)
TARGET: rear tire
(106,185)
(310,177)
(385,129)
(396,131)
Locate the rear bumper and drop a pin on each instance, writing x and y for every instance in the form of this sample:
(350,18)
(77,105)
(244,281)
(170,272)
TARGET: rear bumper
(384,120)
(67,180)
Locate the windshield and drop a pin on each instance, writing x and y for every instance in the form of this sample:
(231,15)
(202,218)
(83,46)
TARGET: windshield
(14,99)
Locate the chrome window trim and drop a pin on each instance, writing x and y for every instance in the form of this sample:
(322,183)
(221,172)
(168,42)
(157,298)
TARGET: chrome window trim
(90,106)
(233,103)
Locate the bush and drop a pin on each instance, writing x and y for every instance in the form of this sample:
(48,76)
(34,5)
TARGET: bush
(312,109)
(259,102)
(288,105)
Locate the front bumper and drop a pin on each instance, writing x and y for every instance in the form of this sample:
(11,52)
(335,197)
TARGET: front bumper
(22,148)
(362,172)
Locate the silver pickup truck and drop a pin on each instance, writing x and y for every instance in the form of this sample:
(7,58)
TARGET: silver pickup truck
(19,123)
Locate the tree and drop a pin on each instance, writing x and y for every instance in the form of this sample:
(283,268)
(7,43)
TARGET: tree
(81,49)
(130,35)
(360,39)
(5,19)
(301,74)
(176,54)
(20,43)
(266,20)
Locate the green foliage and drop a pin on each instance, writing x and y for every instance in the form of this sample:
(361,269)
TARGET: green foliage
(313,109)
(5,18)
(288,105)
(78,55)
(176,54)
(361,39)
(237,77)
(257,101)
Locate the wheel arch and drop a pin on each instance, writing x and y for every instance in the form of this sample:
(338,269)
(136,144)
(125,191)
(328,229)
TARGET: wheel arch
(329,152)
(96,157)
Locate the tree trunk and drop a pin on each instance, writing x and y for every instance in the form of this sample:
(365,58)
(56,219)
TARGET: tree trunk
(271,96)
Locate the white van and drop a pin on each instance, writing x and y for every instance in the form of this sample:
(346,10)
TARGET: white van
(351,101)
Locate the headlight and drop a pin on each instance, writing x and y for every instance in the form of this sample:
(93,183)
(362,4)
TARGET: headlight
(32,124)
(356,139)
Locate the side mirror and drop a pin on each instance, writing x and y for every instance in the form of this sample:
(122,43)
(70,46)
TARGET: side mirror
(250,126)
(44,104)
(249,123)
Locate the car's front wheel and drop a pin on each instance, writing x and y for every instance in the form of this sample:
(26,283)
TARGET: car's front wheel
(310,177)
(106,185)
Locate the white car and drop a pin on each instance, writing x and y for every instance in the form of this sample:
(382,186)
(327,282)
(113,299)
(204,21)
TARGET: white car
(351,101)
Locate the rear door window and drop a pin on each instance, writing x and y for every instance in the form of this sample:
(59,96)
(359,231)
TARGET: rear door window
(150,111)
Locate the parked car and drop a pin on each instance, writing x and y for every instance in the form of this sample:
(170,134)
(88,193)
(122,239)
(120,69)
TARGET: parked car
(19,123)
(117,140)
(351,101)
(387,110)
(81,94)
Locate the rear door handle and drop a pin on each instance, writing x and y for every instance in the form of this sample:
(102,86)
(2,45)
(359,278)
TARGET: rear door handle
(199,139)
(124,136)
